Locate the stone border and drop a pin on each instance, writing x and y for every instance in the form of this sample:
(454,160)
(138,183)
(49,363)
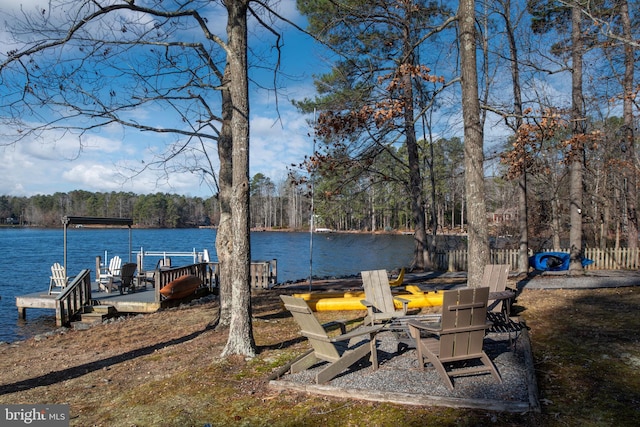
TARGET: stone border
(280,381)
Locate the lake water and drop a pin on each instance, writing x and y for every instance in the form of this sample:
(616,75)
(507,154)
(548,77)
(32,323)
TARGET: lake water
(27,256)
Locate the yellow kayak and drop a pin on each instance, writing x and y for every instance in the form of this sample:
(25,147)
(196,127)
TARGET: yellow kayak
(337,301)
(398,280)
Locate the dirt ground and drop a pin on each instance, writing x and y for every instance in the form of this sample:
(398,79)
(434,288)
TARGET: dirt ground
(164,369)
(67,355)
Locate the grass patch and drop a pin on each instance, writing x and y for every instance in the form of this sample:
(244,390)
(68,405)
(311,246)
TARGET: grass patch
(164,370)
(582,343)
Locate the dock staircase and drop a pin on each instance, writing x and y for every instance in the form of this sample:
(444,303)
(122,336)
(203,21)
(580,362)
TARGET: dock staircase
(94,314)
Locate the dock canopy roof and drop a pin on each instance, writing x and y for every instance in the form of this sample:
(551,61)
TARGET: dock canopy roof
(92,220)
(87,220)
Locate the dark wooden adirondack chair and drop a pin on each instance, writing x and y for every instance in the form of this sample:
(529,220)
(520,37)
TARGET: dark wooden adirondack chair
(495,278)
(458,337)
(127,275)
(340,351)
(379,300)
(500,299)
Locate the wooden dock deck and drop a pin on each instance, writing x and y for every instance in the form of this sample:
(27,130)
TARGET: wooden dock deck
(141,301)
(82,295)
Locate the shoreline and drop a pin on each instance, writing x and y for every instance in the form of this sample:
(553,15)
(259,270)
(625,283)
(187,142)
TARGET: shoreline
(597,279)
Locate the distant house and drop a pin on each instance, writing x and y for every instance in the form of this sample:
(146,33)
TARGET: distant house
(11,221)
(503,215)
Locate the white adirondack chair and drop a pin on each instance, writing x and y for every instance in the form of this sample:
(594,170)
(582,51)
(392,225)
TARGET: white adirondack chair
(109,275)
(58,279)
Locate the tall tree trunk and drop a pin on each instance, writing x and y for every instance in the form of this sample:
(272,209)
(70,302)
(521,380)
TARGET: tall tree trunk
(415,182)
(627,112)
(555,220)
(433,242)
(577,147)
(420,258)
(372,202)
(224,246)
(473,147)
(240,340)
(606,221)
(462,211)
(523,211)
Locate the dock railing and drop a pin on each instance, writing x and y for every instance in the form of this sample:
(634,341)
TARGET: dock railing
(166,255)
(164,276)
(264,274)
(73,298)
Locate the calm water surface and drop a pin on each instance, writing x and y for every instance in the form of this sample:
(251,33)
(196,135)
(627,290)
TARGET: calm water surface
(27,255)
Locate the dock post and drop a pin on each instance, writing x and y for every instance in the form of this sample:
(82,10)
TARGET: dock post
(140,262)
(22,313)
(98,270)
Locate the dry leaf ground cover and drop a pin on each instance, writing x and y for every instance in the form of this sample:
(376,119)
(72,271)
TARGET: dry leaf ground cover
(164,369)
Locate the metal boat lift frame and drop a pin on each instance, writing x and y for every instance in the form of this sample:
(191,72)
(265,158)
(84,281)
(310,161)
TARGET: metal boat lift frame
(89,220)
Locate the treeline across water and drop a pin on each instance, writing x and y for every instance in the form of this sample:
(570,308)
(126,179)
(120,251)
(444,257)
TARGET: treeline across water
(159,210)
(275,207)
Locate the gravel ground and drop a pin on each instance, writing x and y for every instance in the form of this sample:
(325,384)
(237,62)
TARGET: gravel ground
(400,380)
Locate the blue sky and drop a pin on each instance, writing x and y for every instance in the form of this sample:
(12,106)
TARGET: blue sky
(279,136)
(54,164)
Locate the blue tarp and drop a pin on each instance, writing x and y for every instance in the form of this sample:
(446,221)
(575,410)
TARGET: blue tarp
(553,261)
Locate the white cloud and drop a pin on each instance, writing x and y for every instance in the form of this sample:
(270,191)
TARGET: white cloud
(112,161)
(93,176)
(275,146)
(26,174)
(113,158)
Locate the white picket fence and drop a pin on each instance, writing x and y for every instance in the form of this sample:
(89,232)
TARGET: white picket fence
(603,259)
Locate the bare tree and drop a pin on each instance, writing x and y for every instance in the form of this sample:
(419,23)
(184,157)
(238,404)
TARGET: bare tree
(631,193)
(577,147)
(81,66)
(523,211)
(369,98)
(240,339)
(224,245)
(473,146)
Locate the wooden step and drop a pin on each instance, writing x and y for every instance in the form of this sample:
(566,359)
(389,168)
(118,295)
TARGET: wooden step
(107,310)
(93,315)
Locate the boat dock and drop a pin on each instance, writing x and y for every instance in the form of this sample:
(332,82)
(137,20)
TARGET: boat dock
(154,289)
(141,301)
(82,297)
